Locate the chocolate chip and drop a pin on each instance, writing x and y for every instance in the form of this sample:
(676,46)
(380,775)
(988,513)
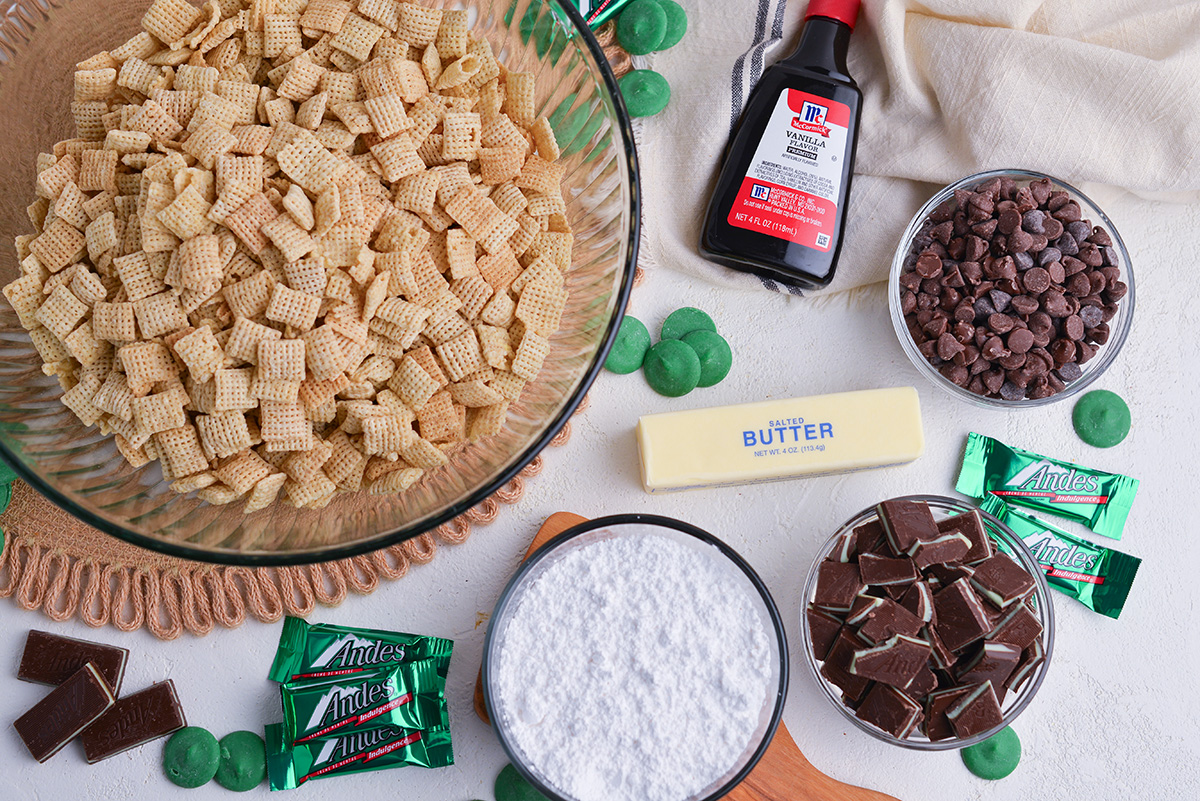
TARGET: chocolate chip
(1099,334)
(993,379)
(908,302)
(967,356)
(1079,231)
(964,311)
(985,229)
(1033,220)
(1089,254)
(1011,392)
(1019,241)
(1040,322)
(1116,291)
(936,327)
(1010,219)
(1040,190)
(1091,316)
(1020,340)
(1079,285)
(1069,372)
(1025,200)
(948,346)
(1000,299)
(1023,260)
(1054,303)
(1012,361)
(1063,351)
(1067,245)
(1052,228)
(956,373)
(1040,389)
(1048,255)
(984,308)
(1058,274)
(1024,304)
(1067,212)
(1057,200)
(1001,323)
(1073,327)
(993,349)
(972,271)
(1085,352)
(929,266)
(1100,237)
(950,299)
(1036,280)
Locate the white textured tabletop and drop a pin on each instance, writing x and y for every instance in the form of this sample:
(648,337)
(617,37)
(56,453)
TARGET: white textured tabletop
(1118,716)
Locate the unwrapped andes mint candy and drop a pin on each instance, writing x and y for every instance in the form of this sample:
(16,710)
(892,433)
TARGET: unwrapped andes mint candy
(891,710)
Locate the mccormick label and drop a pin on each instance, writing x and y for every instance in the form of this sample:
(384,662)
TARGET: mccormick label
(794,181)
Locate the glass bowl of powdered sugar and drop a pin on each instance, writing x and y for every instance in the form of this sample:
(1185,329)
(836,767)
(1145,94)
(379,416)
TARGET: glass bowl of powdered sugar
(635,658)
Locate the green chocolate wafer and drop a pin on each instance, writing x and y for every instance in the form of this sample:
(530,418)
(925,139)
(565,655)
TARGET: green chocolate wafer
(243,763)
(641,27)
(629,348)
(511,786)
(645,91)
(715,356)
(995,757)
(684,321)
(672,368)
(1101,418)
(191,757)
(677,23)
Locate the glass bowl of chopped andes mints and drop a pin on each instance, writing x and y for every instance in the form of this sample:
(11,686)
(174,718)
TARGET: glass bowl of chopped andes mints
(927,622)
(1011,289)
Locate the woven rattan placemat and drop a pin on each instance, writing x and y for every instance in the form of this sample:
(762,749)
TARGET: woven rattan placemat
(54,563)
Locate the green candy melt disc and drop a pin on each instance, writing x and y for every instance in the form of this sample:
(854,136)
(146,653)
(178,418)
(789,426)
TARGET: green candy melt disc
(1101,418)
(641,27)
(677,23)
(511,786)
(682,322)
(629,348)
(191,757)
(645,91)
(243,764)
(995,757)
(715,355)
(672,368)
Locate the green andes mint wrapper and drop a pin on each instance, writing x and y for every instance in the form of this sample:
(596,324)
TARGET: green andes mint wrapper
(318,650)
(1095,498)
(357,752)
(1097,577)
(410,695)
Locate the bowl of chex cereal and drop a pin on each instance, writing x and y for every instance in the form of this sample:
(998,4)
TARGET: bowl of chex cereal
(298,279)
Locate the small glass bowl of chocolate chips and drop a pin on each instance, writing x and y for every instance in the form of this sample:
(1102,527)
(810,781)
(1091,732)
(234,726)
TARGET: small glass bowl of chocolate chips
(927,622)
(1011,288)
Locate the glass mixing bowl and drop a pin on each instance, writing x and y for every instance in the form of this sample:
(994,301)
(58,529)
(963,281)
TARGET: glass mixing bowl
(81,471)
(1119,325)
(588,533)
(1006,541)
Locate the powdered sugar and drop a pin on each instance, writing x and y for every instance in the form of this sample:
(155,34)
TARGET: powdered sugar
(636,667)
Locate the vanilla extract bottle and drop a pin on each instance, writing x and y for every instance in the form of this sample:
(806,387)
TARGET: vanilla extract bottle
(779,206)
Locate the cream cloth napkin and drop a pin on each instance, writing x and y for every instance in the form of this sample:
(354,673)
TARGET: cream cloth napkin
(1104,94)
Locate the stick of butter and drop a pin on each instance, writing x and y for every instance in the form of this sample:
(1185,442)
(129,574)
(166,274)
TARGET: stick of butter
(773,440)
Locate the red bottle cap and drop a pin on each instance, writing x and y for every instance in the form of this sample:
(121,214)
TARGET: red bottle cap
(841,10)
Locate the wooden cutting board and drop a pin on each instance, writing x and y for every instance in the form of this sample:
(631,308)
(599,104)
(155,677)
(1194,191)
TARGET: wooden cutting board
(783,774)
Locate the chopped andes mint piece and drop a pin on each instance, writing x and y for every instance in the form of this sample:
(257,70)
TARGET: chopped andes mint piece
(864,606)
(853,687)
(1031,659)
(878,571)
(889,709)
(970,524)
(994,662)
(838,583)
(870,537)
(922,684)
(895,661)
(1002,581)
(1018,626)
(846,547)
(975,712)
(937,725)
(823,627)
(961,617)
(845,644)
(943,658)
(948,574)
(950,547)
(905,523)
(887,620)
(919,600)
(65,712)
